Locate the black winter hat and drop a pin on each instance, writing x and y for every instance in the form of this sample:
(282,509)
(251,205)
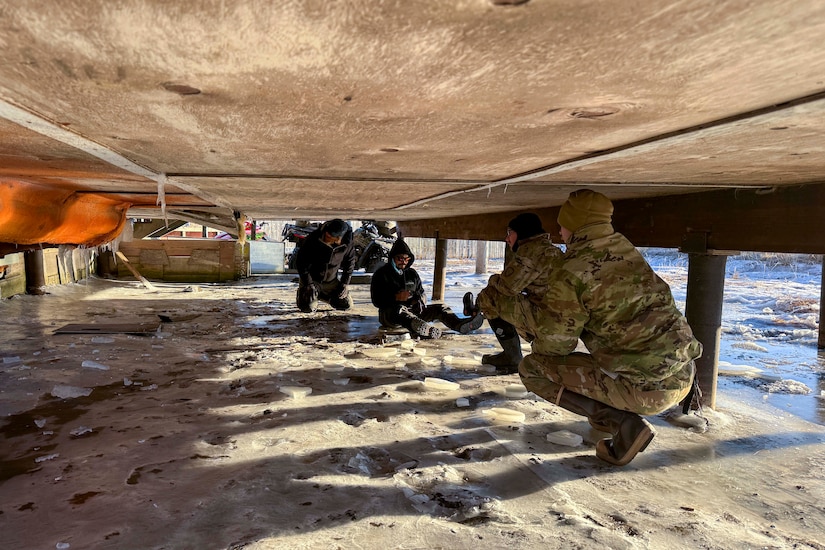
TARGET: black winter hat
(336,227)
(526,225)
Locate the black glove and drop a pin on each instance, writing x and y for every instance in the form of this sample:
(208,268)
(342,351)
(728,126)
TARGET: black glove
(343,291)
(309,292)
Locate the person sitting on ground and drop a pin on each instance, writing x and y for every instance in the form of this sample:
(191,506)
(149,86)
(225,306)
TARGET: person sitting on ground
(641,348)
(323,252)
(397,292)
(519,289)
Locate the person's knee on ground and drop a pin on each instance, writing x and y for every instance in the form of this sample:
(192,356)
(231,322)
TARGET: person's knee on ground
(307,298)
(341,304)
(509,358)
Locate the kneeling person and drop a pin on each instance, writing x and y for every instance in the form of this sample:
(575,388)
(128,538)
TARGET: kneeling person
(397,292)
(325,251)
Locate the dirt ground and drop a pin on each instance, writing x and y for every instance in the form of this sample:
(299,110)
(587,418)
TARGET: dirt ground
(197,435)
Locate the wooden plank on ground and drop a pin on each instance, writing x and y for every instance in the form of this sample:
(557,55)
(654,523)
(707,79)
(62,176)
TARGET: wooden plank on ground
(110,328)
(134,271)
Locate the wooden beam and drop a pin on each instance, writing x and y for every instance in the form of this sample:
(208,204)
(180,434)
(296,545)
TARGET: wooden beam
(134,271)
(786,220)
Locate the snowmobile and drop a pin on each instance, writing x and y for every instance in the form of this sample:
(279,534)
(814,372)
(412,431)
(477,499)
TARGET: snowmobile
(372,242)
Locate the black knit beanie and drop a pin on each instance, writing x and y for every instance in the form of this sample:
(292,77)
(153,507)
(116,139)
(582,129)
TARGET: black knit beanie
(526,225)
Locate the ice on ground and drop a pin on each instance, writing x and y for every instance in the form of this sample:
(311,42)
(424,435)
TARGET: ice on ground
(93,365)
(295,392)
(565,437)
(439,384)
(69,392)
(502,414)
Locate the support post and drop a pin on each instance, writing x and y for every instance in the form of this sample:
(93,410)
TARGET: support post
(35,272)
(821,341)
(439,269)
(481,257)
(703,310)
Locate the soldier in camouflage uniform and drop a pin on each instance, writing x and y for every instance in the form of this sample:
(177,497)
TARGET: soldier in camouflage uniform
(510,299)
(641,348)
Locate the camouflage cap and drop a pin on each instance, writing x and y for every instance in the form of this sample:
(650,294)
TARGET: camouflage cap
(584,207)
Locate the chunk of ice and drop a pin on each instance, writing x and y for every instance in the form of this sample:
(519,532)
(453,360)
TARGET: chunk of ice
(380,353)
(501,414)
(515,390)
(295,392)
(439,384)
(67,392)
(460,361)
(565,437)
(93,365)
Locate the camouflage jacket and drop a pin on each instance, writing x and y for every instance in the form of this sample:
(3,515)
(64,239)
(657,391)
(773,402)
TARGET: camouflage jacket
(605,293)
(527,271)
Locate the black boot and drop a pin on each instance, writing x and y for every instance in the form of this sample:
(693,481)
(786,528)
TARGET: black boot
(507,361)
(470,306)
(631,433)
(461,325)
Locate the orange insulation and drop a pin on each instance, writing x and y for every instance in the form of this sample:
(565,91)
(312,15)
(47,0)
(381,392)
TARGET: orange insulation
(35,214)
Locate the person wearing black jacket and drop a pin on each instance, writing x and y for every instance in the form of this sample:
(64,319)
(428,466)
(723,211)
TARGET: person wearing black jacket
(325,251)
(397,292)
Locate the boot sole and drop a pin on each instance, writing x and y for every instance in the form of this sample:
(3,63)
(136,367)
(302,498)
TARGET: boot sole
(471,325)
(641,442)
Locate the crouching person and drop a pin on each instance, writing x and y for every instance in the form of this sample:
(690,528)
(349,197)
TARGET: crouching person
(641,348)
(325,251)
(512,300)
(397,292)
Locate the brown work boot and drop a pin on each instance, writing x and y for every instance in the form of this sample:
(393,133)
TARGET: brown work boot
(633,435)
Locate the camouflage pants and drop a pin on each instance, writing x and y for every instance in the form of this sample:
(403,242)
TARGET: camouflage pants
(545,375)
(516,310)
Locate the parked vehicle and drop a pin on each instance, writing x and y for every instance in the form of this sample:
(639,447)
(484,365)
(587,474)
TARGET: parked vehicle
(372,242)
